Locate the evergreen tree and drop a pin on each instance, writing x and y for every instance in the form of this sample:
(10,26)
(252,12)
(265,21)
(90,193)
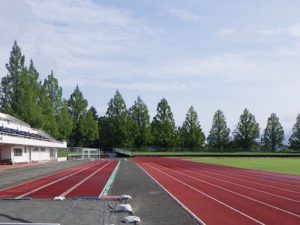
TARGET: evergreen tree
(65,122)
(140,119)
(88,128)
(78,109)
(163,126)
(118,122)
(294,140)
(10,82)
(94,112)
(247,130)
(191,133)
(274,134)
(26,98)
(54,92)
(219,133)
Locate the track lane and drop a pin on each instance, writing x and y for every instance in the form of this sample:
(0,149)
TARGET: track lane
(245,202)
(266,207)
(209,209)
(93,186)
(283,181)
(65,184)
(26,187)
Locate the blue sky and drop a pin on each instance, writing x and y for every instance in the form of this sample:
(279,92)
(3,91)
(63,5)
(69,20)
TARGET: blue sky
(212,54)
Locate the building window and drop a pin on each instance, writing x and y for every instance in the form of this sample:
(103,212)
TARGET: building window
(36,149)
(43,149)
(17,152)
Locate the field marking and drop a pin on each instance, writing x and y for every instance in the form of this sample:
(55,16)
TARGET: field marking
(179,202)
(42,177)
(84,180)
(231,170)
(232,177)
(110,179)
(253,199)
(55,181)
(253,182)
(209,196)
(279,196)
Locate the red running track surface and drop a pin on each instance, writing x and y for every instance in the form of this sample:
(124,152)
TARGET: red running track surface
(87,180)
(225,195)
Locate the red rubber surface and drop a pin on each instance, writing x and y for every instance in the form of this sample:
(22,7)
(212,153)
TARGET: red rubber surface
(86,180)
(224,195)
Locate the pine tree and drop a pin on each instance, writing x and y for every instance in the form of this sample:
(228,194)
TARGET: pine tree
(88,128)
(191,133)
(247,130)
(78,109)
(163,126)
(274,134)
(10,82)
(294,140)
(140,119)
(94,112)
(54,92)
(26,98)
(218,136)
(64,122)
(118,122)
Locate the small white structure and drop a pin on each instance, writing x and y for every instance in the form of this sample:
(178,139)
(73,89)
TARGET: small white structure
(19,143)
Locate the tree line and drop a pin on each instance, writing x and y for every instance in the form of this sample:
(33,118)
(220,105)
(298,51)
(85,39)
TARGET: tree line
(40,103)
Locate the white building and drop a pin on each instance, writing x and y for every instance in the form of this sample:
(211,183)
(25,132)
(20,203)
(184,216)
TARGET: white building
(20,143)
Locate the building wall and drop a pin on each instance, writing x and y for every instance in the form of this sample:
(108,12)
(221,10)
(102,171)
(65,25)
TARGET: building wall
(22,158)
(5,151)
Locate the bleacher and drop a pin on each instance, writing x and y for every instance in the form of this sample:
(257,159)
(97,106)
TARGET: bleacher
(23,134)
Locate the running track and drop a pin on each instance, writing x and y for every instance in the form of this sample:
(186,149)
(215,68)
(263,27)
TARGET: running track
(224,195)
(87,180)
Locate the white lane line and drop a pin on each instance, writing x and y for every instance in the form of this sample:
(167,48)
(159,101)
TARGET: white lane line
(259,178)
(110,179)
(272,176)
(84,180)
(209,196)
(55,181)
(38,178)
(279,196)
(179,202)
(283,189)
(244,196)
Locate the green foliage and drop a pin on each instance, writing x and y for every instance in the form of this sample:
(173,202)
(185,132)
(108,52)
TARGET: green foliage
(218,136)
(118,124)
(88,129)
(247,130)
(191,134)
(77,105)
(274,134)
(10,83)
(294,140)
(53,92)
(65,122)
(140,119)
(78,109)
(163,126)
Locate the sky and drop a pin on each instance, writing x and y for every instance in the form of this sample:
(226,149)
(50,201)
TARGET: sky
(210,54)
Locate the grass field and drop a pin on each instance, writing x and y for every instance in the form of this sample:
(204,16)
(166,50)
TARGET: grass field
(277,165)
(210,153)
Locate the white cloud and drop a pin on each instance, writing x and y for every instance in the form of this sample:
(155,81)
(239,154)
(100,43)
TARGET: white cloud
(183,15)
